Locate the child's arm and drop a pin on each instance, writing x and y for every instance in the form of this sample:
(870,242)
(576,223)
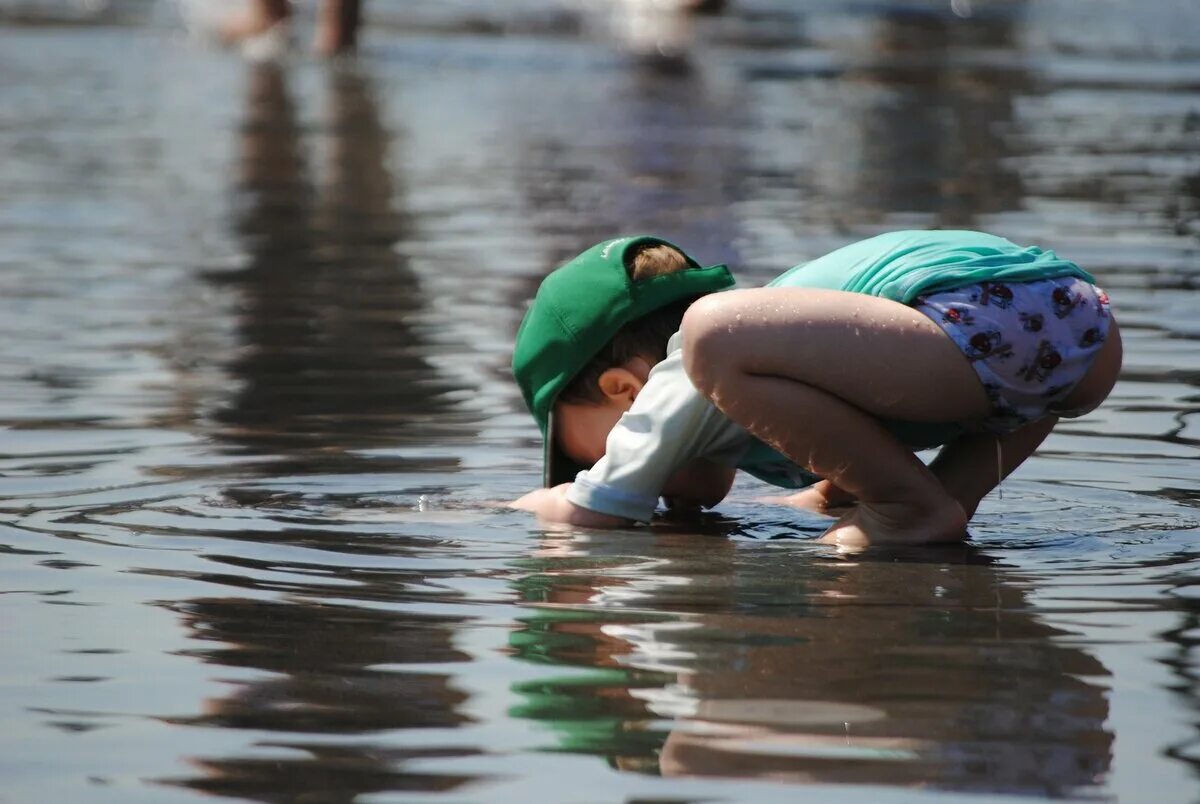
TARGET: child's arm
(552,505)
(700,484)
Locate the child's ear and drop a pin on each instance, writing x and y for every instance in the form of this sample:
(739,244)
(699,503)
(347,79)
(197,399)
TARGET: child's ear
(621,385)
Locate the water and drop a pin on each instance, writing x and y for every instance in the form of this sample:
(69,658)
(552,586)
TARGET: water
(257,413)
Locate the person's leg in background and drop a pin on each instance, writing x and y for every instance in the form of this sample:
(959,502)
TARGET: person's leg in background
(337,26)
(337,23)
(257,18)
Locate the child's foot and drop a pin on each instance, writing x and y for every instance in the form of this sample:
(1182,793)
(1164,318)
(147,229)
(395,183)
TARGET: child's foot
(943,521)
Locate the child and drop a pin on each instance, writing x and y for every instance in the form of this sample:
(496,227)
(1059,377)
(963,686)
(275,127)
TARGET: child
(648,383)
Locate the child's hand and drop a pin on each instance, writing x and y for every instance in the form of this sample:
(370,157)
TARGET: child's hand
(822,497)
(552,505)
(540,500)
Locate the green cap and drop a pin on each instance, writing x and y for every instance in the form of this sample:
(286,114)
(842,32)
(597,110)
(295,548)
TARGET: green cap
(577,311)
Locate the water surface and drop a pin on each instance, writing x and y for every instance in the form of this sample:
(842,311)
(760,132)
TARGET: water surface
(256,407)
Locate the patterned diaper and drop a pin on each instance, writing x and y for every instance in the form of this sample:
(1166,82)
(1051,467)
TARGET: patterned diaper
(1029,342)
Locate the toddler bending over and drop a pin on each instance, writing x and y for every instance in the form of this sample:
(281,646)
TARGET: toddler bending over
(647,382)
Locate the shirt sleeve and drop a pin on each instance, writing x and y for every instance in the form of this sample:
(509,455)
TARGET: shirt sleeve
(669,424)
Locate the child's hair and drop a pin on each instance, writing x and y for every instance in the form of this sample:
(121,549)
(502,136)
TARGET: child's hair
(646,337)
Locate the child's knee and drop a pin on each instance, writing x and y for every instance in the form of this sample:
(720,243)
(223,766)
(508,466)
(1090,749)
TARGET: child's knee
(707,332)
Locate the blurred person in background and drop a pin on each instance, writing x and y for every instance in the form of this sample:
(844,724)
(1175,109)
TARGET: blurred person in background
(337,24)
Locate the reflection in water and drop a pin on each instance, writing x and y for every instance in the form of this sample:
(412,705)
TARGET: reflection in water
(666,161)
(885,671)
(323,679)
(331,361)
(331,356)
(929,133)
(240,591)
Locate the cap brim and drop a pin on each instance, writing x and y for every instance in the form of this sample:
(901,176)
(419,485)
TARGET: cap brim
(557,468)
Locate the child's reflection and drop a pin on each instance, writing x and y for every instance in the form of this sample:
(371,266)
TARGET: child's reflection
(774,663)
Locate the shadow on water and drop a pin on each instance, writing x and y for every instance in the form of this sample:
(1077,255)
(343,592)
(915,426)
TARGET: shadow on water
(710,660)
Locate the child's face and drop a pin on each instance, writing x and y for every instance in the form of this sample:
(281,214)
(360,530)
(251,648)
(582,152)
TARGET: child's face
(582,429)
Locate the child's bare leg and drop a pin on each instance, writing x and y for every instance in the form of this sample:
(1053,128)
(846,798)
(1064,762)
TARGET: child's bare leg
(337,26)
(971,466)
(809,372)
(257,18)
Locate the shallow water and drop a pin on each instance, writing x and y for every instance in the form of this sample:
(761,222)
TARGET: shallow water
(256,411)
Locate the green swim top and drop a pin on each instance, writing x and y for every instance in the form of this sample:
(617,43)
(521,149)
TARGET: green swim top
(902,266)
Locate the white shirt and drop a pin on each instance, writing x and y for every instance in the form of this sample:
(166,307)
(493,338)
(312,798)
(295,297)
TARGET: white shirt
(669,424)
